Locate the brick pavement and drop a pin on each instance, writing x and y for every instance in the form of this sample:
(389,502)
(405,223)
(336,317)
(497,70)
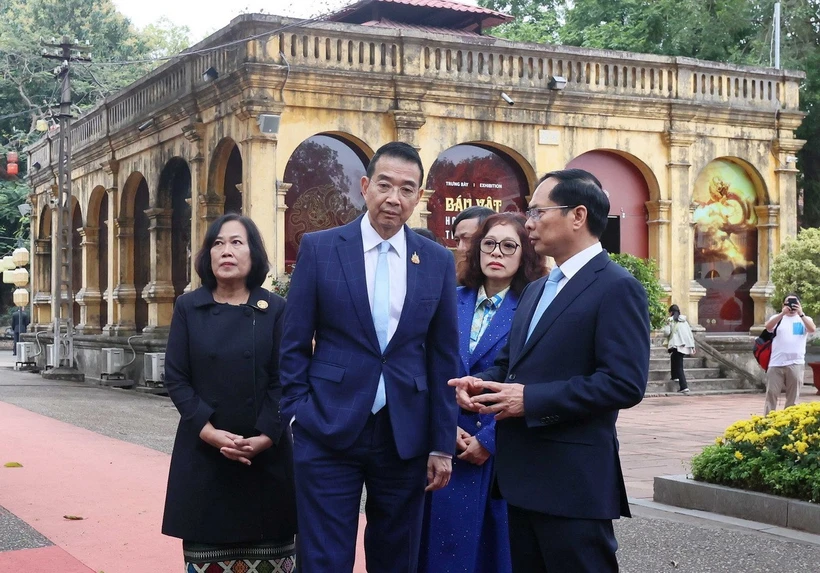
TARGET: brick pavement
(118,487)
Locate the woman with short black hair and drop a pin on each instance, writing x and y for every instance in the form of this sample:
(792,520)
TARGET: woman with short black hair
(230,491)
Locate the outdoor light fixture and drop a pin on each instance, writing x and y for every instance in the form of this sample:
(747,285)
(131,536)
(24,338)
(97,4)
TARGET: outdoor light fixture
(7,263)
(210,74)
(20,255)
(791,159)
(25,209)
(507,98)
(268,123)
(557,83)
(41,125)
(145,125)
(36,166)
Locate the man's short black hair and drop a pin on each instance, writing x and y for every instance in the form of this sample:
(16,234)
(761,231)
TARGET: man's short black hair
(579,187)
(259,257)
(426,233)
(474,212)
(399,150)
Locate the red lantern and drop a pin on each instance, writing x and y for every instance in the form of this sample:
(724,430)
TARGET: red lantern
(11,169)
(12,157)
(11,163)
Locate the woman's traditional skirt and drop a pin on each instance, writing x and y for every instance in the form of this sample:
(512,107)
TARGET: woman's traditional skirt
(262,557)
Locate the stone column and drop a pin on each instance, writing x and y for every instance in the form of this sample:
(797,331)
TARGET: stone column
(785,192)
(659,226)
(41,285)
(422,211)
(159,292)
(278,264)
(259,187)
(89,297)
(768,224)
(679,249)
(195,133)
(408,123)
(124,294)
(696,290)
(111,168)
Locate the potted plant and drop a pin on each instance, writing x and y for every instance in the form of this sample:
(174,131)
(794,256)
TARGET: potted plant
(796,269)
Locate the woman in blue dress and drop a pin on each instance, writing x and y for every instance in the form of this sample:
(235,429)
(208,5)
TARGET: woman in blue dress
(465,529)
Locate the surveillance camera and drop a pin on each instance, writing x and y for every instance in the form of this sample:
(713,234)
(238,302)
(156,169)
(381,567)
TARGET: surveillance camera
(507,98)
(557,83)
(791,159)
(145,125)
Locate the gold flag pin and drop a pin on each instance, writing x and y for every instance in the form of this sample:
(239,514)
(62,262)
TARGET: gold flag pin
(415,258)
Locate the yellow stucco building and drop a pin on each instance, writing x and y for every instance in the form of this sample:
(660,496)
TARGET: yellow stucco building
(277,118)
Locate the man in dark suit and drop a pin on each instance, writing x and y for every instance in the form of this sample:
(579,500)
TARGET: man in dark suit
(370,400)
(578,352)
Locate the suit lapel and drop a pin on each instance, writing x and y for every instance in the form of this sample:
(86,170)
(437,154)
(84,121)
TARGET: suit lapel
(351,256)
(497,329)
(466,308)
(574,287)
(414,247)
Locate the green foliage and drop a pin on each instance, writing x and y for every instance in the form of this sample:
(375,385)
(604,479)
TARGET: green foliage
(27,84)
(646,271)
(797,269)
(535,21)
(777,454)
(280,285)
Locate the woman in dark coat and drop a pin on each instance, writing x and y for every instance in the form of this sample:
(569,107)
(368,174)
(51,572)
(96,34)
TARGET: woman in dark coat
(230,488)
(465,529)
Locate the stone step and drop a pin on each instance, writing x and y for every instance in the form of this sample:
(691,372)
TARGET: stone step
(700,385)
(703,393)
(696,373)
(697,362)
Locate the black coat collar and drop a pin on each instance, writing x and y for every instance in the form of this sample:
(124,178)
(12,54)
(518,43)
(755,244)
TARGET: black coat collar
(259,298)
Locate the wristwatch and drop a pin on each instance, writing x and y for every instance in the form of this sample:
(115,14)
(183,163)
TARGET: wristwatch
(801,315)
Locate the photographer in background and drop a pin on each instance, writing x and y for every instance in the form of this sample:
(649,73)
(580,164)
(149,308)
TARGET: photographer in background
(787,364)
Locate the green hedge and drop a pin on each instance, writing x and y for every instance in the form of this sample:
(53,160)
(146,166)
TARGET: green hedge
(646,271)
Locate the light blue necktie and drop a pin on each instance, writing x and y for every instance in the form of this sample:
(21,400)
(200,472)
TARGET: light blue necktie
(381,314)
(546,298)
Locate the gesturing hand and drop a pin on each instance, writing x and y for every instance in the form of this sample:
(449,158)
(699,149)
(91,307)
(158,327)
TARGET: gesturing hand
(503,400)
(465,389)
(217,438)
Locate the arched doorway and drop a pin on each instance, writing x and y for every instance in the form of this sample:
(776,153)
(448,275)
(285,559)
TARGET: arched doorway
(142,254)
(226,175)
(325,174)
(174,192)
(626,231)
(725,245)
(472,174)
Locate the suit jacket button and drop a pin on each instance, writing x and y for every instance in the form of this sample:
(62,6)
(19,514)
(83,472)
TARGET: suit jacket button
(512,376)
(478,424)
(247,354)
(384,360)
(544,420)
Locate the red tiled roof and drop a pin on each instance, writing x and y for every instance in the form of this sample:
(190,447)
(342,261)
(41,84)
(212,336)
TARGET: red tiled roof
(384,23)
(450,5)
(448,14)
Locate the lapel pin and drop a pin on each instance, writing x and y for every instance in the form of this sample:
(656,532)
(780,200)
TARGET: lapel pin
(263,304)
(415,258)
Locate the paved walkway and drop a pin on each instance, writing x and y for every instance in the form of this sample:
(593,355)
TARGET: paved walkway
(102,455)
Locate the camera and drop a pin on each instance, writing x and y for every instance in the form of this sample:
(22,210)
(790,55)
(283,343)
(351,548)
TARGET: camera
(791,302)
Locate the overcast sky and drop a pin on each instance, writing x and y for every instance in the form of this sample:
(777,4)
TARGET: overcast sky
(206,16)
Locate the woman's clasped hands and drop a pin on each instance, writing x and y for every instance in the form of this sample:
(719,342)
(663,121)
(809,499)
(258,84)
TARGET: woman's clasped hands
(233,446)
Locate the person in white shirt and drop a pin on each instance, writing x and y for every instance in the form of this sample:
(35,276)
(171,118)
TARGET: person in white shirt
(787,363)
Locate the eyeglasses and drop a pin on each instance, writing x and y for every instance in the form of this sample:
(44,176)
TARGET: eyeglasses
(534,213)
(506,247)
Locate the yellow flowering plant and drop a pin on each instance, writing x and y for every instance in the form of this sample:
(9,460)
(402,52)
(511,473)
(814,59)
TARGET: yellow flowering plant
(778,454)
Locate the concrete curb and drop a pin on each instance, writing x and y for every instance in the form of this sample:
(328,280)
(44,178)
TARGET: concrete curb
(683,491)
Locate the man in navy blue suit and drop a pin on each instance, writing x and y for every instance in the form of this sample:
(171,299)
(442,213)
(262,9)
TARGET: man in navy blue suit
(578,352)
(370,400)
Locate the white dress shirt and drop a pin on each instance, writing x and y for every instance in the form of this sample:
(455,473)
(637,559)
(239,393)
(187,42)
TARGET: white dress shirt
(575,263)
(397,265)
